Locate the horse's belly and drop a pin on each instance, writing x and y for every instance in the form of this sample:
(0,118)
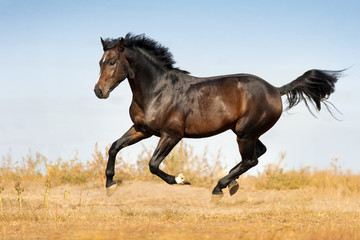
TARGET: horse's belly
(204,131)
(199,125)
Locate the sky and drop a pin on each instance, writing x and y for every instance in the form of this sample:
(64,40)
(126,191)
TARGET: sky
(49,54)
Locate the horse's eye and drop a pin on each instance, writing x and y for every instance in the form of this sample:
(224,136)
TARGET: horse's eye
(112,63)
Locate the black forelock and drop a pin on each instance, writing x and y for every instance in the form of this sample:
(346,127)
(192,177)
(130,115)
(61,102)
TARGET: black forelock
(153,47)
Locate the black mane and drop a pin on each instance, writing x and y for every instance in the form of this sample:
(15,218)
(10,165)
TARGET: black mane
(155,49)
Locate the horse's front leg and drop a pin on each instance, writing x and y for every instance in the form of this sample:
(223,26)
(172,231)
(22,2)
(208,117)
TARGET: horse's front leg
(164,147)
(130,137)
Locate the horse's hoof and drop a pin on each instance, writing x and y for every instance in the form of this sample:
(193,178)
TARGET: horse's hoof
(110,190)
(217,194)
(216,197)
(233,187)
(182,180)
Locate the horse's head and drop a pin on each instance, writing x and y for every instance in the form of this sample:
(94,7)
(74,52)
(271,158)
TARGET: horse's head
(114,68)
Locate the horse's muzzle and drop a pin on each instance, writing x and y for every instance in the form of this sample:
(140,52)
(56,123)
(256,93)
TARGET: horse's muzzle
(98,92)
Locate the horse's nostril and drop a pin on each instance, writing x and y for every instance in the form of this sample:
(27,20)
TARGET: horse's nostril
(98,92)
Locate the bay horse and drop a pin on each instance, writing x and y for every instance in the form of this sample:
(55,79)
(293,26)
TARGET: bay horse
(171,104)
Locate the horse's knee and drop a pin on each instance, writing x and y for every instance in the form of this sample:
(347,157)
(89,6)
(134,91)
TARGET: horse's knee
(153,168)
(251,162)
(113,151)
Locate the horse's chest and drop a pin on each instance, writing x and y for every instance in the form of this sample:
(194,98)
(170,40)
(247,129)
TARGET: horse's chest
(145,119)
(137,115)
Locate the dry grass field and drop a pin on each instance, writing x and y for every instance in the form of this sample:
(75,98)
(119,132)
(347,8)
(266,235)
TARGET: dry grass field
(276,204)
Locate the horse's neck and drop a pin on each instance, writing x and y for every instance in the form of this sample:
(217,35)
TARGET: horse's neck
(139,94)
(145,79)
(142,86)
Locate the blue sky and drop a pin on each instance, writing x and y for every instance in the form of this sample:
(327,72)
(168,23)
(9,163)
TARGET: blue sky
(49,53)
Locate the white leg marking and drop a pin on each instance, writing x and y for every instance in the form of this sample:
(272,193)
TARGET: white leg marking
(181,179)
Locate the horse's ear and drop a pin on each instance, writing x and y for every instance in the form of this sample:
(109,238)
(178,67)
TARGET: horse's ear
(104,44)
(120,45)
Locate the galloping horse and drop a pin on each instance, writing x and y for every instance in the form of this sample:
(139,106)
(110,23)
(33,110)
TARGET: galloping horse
(171,104)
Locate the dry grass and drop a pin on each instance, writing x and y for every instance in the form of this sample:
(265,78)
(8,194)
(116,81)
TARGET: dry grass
(149,210)
(170,224)
(66,200)
(34,167)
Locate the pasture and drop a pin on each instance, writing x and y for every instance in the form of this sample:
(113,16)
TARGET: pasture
(68,201)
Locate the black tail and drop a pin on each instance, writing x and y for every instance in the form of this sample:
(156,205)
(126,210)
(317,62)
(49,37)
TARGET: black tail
(314,86)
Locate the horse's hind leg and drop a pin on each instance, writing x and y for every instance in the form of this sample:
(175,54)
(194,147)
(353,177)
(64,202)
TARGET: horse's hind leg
(260,149)
(249,160)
